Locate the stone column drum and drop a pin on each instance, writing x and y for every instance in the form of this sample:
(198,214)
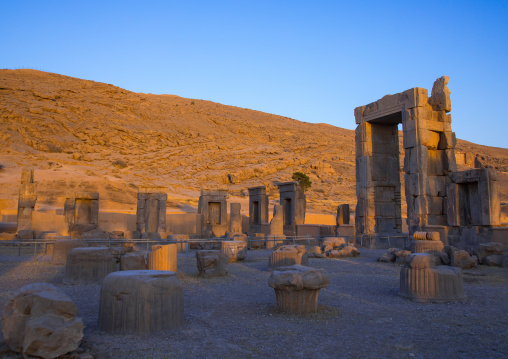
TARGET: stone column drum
(427,242)
(163,258)
(141,302)
(297,288)
(288,255)
(420,281)
(89,265)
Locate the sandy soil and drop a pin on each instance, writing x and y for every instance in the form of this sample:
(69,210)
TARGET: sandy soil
(360,314)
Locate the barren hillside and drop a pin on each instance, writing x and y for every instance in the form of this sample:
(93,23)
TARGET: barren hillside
(84,135)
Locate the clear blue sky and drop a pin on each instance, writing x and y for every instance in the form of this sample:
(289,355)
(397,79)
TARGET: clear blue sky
(313,61)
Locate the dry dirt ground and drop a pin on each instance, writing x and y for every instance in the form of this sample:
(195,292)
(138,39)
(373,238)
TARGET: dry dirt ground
(360,314)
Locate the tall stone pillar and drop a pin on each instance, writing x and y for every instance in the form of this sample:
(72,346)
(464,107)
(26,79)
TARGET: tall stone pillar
(26,203)
(235,217)
(151,212)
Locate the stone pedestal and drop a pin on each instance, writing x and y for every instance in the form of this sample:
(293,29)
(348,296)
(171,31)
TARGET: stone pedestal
(297,288)
(421,281)
(211,263)
(62,248)
(141,302)
(235,250)
(163,258)
(89,265)
(288,255)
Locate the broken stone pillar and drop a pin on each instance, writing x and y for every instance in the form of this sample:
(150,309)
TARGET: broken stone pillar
(276,231)
(163,257)
(151,212)
(62,248)
(288,255)
(429,157)
(258,208)
(297,288)
(235,250)
(26,204)
(293,202)
(211,263)
(82,213)
(213,208)
(421,281)
(89,265)
(235,218)
(41,321)
(141,302)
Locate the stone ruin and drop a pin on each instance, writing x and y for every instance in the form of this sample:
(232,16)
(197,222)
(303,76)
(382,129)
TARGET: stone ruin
(258,208)
(293,202)
(151,212)
(82,213)
(26,204)
(462,205)
(213,208)
(473,206)
(235,218)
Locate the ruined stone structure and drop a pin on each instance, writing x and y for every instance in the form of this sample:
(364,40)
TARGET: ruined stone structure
(235,218)
(213,208)
(89,265)
(258,208)
(151,212)
(473,206)
(141,302)
(82,212)
(211,263)
(342,215)
(40,320)
(428,159)
(422,281)
(235,250)
(288,255)
(297,288)
(293,202)
(26,204)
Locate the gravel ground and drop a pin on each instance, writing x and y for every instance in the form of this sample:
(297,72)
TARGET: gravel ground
(360,315)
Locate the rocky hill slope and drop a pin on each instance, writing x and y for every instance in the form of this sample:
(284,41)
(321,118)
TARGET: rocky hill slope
(84,135)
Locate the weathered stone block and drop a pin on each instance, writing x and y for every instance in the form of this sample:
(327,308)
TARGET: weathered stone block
(141,302)
(89,265)
(41,320)
(297,288)
(426,246)
(133,261)
(211,263)
(235,250)
(487,249)
(421,281)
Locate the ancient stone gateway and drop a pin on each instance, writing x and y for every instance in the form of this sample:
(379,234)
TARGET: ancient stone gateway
(151,211)
(213,208)
(82,212)
(26,204)
(293,202)
(429,157)
(258,208)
